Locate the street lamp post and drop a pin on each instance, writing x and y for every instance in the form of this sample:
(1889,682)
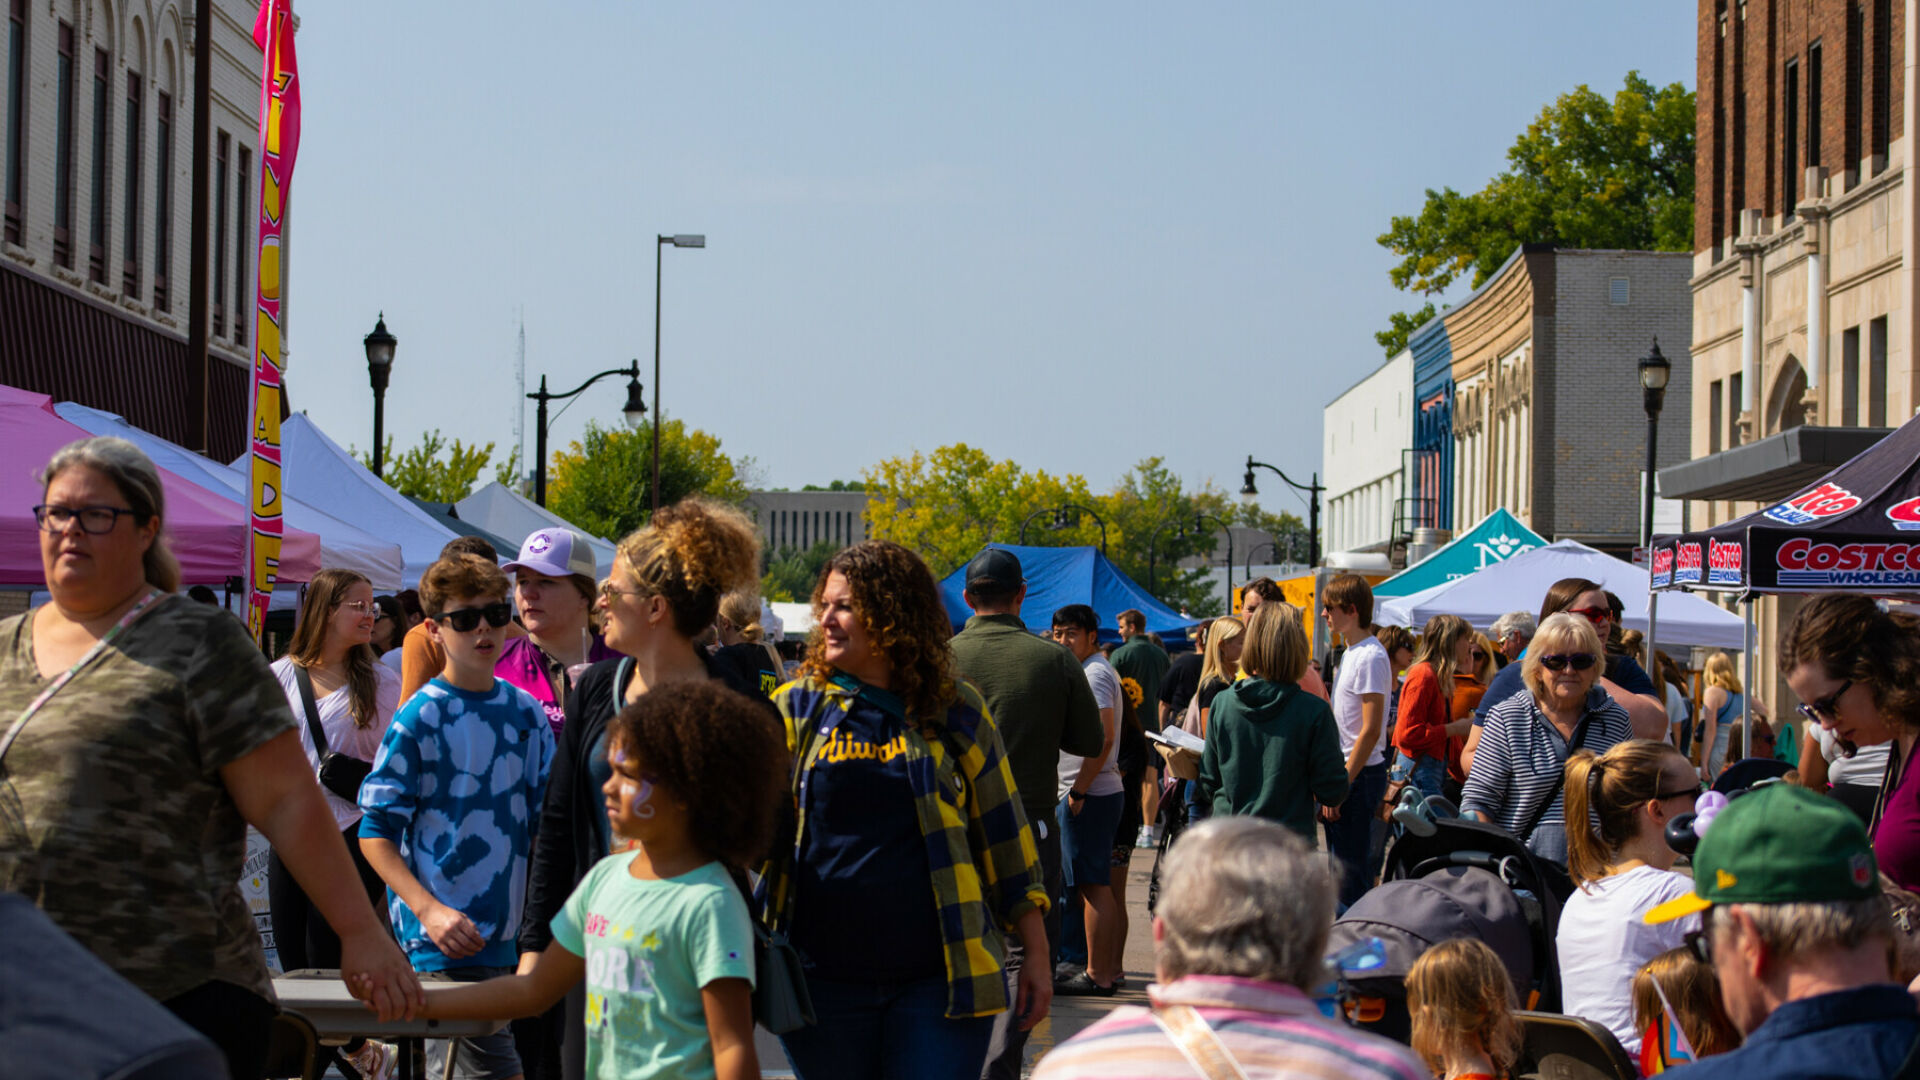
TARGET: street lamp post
(1197,519)
(1063,518)
(633,411)
(1312,489)
(1264,545)
(1153,544)
(1655,369)
(681,240)
(379,345)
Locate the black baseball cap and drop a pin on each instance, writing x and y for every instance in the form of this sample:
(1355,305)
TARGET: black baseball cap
(995,567)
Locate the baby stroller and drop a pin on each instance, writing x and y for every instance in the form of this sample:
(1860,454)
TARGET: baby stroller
(1462,879)
(1183,766)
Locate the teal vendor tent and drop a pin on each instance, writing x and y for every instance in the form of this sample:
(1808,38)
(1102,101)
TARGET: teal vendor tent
(1497,538)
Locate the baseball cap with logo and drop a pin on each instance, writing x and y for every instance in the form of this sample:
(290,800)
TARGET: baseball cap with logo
(997,568)
(554,553)
(1781,844)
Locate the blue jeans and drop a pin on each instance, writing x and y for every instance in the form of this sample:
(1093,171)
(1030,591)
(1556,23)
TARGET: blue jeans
(1350,839)
(1428,774)
(876,1031)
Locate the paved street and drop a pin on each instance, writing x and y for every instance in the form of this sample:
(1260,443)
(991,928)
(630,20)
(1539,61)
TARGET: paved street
(1069,1015)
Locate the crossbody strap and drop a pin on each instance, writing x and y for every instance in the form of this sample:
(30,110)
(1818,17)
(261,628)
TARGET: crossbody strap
(1197,1042)
(1560,782)
(300,675)
(132,616)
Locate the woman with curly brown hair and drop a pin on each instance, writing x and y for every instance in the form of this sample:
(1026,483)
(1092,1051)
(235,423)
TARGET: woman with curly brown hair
(912,857)
(1856,668)
(664,591)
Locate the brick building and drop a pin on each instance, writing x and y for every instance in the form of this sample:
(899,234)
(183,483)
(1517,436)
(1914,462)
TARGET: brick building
(1802,276)
(1546,401)
(98,107)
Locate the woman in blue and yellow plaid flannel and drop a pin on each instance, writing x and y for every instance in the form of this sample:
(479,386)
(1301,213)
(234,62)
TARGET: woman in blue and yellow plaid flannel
(912,857)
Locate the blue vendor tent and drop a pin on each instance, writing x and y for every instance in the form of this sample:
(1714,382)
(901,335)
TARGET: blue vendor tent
(1058,576)
(1497,538)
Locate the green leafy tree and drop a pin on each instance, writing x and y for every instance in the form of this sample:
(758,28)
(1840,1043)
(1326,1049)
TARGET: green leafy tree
(434,470)
(1400,328)
(1587,173)
(948,504)
(509,472)
(602,482)
(792,572)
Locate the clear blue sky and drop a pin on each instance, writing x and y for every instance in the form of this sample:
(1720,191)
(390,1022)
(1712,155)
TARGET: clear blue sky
(1075,236)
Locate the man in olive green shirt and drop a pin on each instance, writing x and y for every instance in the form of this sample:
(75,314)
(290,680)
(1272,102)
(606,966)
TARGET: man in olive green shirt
(1142,666)
(1038,697)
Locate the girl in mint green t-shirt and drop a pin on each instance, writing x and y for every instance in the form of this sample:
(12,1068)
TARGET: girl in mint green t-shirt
(660,932)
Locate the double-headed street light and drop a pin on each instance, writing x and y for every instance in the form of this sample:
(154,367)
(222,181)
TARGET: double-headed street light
(379,345)
(680,240)
(1655,369)
(1181,528)
(634,412)
(1312,490)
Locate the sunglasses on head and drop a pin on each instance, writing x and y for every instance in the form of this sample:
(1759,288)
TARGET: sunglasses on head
(1579,661)
(466,620)
(1592,614)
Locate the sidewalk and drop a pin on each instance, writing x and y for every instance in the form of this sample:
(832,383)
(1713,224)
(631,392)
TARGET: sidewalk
(1070,1015)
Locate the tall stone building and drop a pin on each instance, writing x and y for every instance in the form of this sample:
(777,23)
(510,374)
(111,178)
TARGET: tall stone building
(1803,287)
(94,261)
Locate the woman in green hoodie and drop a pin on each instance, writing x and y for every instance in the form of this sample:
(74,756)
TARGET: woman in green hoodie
(1273,750)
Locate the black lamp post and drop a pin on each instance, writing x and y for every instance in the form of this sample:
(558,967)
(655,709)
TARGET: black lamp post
(1179,532)
(379,346)
(682,240)
(634,411)
(1264,545)
(1655,369)
(1312,489)
(1062,519)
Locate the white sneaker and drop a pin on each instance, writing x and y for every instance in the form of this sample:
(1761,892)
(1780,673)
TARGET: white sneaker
(1149,837)
(374,1060)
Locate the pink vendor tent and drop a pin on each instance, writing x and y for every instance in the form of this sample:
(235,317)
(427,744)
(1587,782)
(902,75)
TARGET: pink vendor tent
(208,532)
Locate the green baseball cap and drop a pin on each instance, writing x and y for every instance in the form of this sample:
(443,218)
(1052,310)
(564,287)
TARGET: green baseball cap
(1781,844)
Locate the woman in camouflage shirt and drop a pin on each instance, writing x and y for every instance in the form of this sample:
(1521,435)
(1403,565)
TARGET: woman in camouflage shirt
(144,732)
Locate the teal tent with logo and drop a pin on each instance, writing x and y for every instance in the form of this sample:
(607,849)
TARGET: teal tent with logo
(1497,538)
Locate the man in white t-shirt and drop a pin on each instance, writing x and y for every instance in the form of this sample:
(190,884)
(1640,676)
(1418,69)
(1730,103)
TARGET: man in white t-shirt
(1359,703)
(1091,797)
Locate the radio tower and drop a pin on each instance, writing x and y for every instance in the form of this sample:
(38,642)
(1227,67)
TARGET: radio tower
(520,403)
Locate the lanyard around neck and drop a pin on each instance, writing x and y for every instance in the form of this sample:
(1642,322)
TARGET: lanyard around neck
(133,615)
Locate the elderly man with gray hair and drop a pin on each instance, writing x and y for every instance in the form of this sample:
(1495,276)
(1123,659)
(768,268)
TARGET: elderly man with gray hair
(1240,935)
(1800,938)
(1511,632)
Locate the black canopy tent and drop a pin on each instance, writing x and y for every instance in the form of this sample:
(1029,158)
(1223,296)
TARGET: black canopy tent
(1855,529)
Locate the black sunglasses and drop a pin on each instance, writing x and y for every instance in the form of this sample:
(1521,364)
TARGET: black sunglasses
(1700,942)
(1828,706)
(466,620)
(1579,661)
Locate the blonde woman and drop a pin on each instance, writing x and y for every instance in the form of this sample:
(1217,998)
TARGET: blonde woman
(1222,664)
(1273,749)
(1721,708)
(743,641)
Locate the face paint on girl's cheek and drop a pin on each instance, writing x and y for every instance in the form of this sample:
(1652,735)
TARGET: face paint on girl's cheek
(642,800)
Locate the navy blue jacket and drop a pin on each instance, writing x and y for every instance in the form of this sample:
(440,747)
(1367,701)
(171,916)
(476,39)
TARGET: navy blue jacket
(1864,1033)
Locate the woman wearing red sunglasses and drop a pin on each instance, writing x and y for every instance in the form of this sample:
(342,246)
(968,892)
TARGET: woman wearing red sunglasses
(1516,779)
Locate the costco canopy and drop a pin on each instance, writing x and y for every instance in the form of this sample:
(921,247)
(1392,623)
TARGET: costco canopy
(1058,576)
(1499,536)
(1856,529)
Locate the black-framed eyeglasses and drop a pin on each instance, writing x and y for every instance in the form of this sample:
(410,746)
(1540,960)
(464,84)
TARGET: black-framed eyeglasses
(466,620)
(1692,792)
(1828,706)
(94,520)
(1579,661)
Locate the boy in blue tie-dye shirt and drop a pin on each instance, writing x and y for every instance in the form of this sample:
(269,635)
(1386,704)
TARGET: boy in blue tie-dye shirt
(453,799)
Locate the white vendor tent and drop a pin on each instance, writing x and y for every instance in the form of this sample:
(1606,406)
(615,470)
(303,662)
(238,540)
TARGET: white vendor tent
(506,513)
(1519,583)
(325,475)
(343,546)
(796,619)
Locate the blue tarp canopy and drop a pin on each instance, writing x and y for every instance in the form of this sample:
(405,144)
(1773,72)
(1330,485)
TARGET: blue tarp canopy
(1497,538)
(1058,576)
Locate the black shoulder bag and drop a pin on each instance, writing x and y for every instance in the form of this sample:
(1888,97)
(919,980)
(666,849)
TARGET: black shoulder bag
(341,774)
